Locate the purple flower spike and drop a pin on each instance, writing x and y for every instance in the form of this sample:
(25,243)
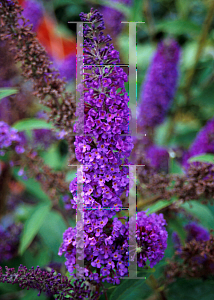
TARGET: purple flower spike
(194,232)
(33,11)
(159,158)
(67,68)
(160,85)
(113,17)
(104,179)
(203,143)
(197,232)
(9,241)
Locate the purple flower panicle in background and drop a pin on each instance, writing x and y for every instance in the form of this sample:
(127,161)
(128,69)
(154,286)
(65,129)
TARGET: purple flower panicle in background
(43,138)
(160,85)
(10,137)
(176,241)
(158,157)
(113,17)
(196,232)
(67,68)
(33,11)
(9,241)
(203,143)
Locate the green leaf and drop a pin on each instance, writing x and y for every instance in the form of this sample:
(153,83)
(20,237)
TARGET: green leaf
(206,96)
(183,7)
(8,288)
(159,205)
(185,139)
(33,123)
(131,289)
(70,175)
(52,230)
(178,27)
(32,225)
(5,92)
(137,13)
(53,159)
(188,54)
(192,289)
(31,185)
(43,257)
(23,211)
(174,167)
(60,3)
(209,158)
(200,211)
(33,295)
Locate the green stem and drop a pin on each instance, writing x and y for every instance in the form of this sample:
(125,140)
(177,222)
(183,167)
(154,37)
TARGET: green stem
(149,19)
(201,44)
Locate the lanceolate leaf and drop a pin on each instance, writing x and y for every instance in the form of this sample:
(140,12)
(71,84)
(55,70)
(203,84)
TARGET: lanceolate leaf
(209,158)
(52,230)
(32,225)
(32,186)
(5,92)
(33,123)
(131,289)
(159,205)
(200,211)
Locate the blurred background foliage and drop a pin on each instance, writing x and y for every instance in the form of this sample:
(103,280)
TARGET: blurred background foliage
(192,25)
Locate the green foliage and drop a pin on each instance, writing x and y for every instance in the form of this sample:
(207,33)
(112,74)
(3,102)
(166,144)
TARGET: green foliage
(32,186)
(192,289)
(130,289)
(32,225)
(174,167)
(201,212)
(51,230)
(5,92)
(53,159)
(116,5)
(159,205)
(208,158)
(32,123)
(177,27)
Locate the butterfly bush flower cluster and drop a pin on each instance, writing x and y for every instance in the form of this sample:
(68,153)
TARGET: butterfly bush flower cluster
(151,238)
(48,282)
(104,179)
(10,137)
